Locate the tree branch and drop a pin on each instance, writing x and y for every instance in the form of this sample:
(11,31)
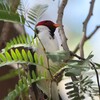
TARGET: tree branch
(87,38)
(94,31)
(85,23)
(61,29)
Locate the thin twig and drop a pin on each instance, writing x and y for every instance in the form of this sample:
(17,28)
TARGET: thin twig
(85,23)
(59,73)
(61,29)
(87,38)
(88,16)
(95,30)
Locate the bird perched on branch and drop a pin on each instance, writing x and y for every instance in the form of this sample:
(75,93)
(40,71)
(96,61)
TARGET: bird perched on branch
(45,32)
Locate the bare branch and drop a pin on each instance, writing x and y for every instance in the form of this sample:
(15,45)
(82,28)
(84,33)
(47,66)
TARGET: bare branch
(87,38)
(88,16)
(85,23)
(95,30)
(61,29)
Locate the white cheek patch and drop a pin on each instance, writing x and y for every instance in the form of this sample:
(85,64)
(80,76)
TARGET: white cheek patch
(47,40)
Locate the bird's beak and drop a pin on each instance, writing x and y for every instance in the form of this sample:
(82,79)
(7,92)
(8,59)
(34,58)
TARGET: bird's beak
(56,25)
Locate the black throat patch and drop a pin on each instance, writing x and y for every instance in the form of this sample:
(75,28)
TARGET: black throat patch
(52,30)
(52,35)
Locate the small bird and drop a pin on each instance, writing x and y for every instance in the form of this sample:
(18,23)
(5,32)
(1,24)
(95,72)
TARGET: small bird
(46,34)
(45,30)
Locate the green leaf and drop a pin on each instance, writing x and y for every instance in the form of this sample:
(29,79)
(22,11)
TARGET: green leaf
(58,56)
(76,69)
(20,37)
(11,17)
(4,6)
(23,85)
(98,65)
(8,56)
(14,94)
(24,55)
(18,54)
(6,13)
(29,78)
(2,57)
(30,56)
(41,60)
(11,42)
(36,57)
(13,54)
(18,40)
(28,39)
(20,83)
(14,40)
(35,13)
(24,81)
(17,88)
(54,69)
(24,38)
(8,44)
(34,75)
(90,56)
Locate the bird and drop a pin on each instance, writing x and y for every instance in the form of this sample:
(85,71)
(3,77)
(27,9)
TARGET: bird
(45,32)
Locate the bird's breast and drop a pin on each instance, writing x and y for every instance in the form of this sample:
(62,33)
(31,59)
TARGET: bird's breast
(50,44)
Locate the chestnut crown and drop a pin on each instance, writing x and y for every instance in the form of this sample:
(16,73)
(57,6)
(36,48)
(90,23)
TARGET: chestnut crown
(51,25)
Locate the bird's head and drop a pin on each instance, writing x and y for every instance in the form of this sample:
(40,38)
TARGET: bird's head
(47,24)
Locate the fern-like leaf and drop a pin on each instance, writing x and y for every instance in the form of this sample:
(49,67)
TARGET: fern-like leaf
(7,15)
(16,56)
(35,13)
(36,57)
(30,56)
(4,6)
(21,57)
(23,84)
(24,55)
(83,86)
(23,40)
